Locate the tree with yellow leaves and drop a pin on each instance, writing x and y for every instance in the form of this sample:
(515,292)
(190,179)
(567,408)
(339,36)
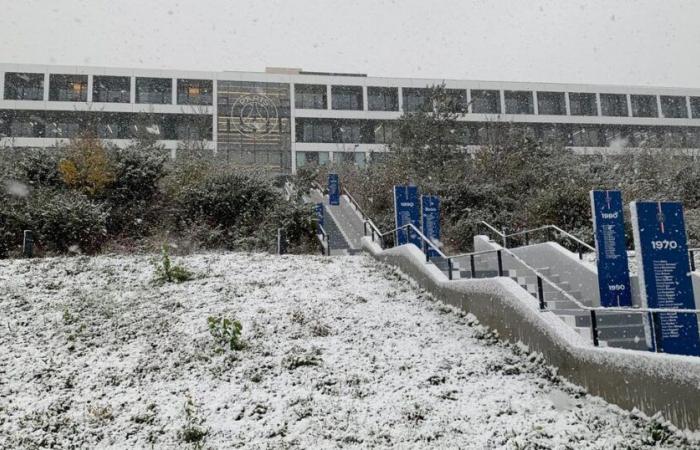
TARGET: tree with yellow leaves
(86,166)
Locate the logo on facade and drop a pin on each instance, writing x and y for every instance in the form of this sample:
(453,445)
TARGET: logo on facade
(254,114)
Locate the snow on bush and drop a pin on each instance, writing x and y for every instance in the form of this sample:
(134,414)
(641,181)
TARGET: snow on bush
(94,352)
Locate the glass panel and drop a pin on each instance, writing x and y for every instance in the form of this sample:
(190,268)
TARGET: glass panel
(24,86)
(107,89)
(582,104)
(346,97)
(486,102)
(68,88)
(644,106)
(194,92)
(415,99)
(695,107)
(519,102)
(614,105)
(310,96)
(674,107)
(157,91)
(551,103)
(383,98)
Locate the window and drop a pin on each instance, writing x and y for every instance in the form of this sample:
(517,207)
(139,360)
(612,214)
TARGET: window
(486,102)
(583,104)
(106,89)
(551,103)
(614,105)
(310,96)
(674,107)
(68,88)
(457,100)
(384,132)
(312,158)
(348,132)
(695,107)
(415,100)
(24,86)
(313,130)
(194,92)
(346,97)
(383,98)
(644,106)
(158,91)
(519,102)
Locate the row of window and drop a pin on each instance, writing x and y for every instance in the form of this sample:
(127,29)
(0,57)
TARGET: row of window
(488,101)
(322,158)
(107,89)
(336,131)
(108,125)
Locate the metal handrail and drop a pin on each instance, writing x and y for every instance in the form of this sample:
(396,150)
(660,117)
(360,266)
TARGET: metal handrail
(564,232)
(492,228)
(354,203)
(422,236)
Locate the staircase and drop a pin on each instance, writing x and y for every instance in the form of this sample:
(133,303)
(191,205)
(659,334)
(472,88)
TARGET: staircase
(342,224)
(615,329)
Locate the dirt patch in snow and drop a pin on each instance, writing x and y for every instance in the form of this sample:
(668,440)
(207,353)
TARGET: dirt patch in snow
(340,352)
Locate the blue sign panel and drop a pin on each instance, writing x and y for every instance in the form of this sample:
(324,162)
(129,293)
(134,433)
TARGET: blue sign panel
(664,274)
(406,209)
(610,248)
(430,211)
(318,208)
(333,189)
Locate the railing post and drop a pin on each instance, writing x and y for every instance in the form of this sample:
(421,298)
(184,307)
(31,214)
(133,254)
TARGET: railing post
(692,261)
(500,263)
(527,238)
(28,244)
(364,228)
(505,238)
(426,250)
(540,293)
(655,332)
(449,268)
(471,266)
(594,328)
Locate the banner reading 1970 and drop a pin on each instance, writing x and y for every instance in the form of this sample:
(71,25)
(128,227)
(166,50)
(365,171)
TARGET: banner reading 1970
(664,274)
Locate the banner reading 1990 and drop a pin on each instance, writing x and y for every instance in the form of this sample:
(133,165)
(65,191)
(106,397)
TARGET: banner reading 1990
(406,209)
(664,274)
(610,247)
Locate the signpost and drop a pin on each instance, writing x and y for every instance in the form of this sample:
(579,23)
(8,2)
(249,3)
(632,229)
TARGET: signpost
(664,275)
(611,251)
(406,211)
(333,189)
(430,211)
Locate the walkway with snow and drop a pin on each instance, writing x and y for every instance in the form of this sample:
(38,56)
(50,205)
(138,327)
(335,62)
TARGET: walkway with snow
(340,352)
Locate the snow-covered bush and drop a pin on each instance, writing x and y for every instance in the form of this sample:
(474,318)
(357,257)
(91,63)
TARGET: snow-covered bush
(226,332)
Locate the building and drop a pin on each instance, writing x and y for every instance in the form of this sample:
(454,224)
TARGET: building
(286,118)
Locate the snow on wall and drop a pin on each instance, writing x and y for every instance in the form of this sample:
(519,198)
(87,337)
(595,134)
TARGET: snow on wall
(650,382)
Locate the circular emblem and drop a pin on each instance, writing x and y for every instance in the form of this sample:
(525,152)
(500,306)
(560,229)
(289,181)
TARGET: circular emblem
(254,114)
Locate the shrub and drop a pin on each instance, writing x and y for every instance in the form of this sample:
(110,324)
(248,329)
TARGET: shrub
(33,166)
(226,332)
(167,272)
(62,220)
(86,166)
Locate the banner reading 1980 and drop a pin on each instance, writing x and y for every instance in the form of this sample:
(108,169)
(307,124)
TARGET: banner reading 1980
(610,247)
(664,274)
(430,211)
(333,189)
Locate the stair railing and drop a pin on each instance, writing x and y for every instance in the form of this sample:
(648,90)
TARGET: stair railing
(325,250)
(580,244)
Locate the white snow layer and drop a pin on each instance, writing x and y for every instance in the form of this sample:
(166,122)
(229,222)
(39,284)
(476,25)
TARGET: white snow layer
(341,352)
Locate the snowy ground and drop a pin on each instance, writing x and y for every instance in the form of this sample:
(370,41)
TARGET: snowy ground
(341,352)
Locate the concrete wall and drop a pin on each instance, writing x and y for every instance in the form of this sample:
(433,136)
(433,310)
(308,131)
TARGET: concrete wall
(650,382)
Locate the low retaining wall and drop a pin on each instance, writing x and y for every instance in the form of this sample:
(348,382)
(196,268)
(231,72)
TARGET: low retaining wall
(650,382)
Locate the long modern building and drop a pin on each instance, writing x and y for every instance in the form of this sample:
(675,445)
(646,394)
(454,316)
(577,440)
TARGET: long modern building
(283,118)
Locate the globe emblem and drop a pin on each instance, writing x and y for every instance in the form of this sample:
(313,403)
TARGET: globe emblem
(254,114)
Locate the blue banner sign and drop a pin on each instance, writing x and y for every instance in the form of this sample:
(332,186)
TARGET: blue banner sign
(318,208)
(430,211)
(333,189)
(664,275)
(406,209)
(610,248)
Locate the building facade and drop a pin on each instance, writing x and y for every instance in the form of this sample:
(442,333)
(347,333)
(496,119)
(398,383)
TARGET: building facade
(283,119)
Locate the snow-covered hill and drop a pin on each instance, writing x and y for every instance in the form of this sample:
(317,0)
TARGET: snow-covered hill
(339,352)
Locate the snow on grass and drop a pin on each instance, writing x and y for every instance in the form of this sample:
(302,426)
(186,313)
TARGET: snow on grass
(339,352)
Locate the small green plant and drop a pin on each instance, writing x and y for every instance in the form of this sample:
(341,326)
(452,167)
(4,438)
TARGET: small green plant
(169,272)
(226,331)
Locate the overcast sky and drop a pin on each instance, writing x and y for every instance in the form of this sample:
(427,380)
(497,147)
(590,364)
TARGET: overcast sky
(597,41)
